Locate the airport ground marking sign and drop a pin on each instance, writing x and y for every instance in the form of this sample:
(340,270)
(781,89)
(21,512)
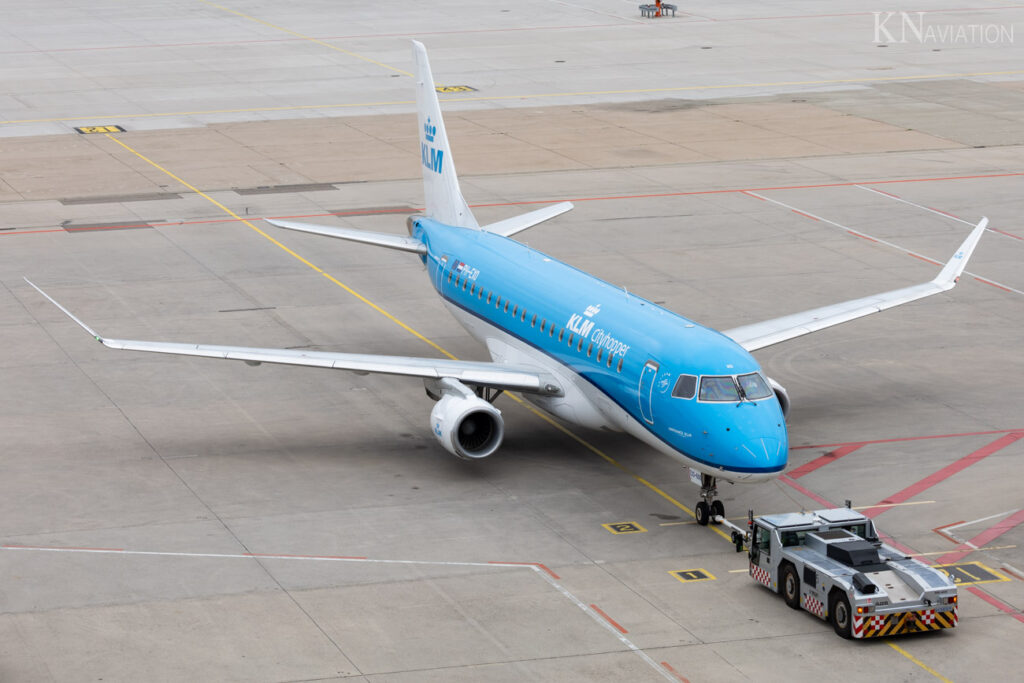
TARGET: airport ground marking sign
(454,88)
(624,528)
(687,575)
(91,130)
(967,573)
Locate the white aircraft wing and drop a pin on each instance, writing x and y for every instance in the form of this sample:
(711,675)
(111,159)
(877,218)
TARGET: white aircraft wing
(493,375)
(762,334)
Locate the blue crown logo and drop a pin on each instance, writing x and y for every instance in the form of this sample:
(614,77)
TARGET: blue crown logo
(429,131)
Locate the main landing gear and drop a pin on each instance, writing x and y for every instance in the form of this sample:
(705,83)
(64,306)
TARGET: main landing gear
(709,508)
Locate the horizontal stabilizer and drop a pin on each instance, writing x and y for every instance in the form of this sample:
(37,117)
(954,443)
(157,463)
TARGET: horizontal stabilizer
(381,239)
(511,226)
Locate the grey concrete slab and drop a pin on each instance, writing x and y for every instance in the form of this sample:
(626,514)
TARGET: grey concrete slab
(655,139)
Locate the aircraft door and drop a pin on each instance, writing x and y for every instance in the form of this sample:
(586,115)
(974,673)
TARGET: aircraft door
(761,549)
(645,390)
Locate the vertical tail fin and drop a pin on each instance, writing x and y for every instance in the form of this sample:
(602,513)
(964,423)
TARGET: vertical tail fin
(444,201)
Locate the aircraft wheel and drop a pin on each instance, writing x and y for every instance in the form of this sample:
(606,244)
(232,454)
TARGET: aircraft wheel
(703,513)
(717,510)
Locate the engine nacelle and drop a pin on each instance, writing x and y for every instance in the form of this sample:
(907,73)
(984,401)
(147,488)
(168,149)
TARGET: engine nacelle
(466,425)
(781,394)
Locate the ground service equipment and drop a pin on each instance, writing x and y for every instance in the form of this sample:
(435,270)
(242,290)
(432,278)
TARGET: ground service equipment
(831,563)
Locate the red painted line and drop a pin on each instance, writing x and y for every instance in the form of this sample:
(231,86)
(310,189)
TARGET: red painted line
(1015,574)
(944,213)
(540,566)
(829,457)
(889,540)
(751,194)
(675,673)
(989,282)
(805,215)
(607,618)
(947,472)
(940,532)
(306,557)
(923,258)
(746,191)
(53,547)
(906,438)
(1008,234)
(1001,606)
(984,538)
(807,492)
(884,192)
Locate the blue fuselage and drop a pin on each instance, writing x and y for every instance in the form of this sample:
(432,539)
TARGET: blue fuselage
(630,351)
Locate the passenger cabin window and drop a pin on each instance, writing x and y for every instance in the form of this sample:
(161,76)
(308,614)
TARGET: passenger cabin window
(579,346)
(533,321)
(571,337)
(619,369)
(714,388)
(522,317)
(754,386)
(465,283)
(497,302)
(610,358)
(686,387)
(600,352)
(590,349)
(543,325)
(450,276)
(489,295)
(515,310)
(472,290)
(506,305)
(561,333)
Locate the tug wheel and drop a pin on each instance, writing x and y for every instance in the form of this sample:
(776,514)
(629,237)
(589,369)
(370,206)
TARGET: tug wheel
(839,614)
(791,586)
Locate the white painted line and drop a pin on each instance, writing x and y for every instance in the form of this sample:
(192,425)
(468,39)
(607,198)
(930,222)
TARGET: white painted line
(879,240)
(629,644)
(947,530)
(944,214)
(605,625)
(920,206)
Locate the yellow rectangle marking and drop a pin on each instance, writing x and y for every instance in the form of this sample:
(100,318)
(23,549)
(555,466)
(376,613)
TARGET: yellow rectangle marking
(967,573)
(687,575)
(624,528)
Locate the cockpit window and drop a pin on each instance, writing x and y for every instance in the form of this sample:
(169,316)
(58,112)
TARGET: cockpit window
(718,389)
(686,387)
(754,386)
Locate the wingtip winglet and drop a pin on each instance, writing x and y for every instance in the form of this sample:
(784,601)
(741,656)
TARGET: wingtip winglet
(65,311)
(951,272)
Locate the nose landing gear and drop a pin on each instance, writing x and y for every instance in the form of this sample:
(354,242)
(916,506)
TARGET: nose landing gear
(709,509)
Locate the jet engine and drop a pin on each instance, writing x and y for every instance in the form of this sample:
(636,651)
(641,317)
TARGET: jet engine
(466,425)
(781,394)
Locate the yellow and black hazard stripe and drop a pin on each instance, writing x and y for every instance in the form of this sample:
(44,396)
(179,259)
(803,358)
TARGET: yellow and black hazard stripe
(878,625)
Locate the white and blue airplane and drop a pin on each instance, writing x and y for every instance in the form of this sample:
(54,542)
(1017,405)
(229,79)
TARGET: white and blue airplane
(580,348)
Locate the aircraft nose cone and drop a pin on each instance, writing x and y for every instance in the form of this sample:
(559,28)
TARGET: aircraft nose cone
(768,453)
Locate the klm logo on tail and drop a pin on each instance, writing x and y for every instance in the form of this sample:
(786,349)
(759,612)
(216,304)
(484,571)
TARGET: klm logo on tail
(431,157)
